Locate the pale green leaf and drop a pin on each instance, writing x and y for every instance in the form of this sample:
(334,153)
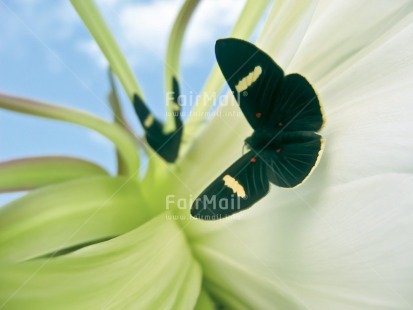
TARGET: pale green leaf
(204,302)
(150,267)
(60,216)
(29,173)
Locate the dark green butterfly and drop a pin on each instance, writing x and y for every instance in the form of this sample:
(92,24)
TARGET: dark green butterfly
(284,112)
(165,144)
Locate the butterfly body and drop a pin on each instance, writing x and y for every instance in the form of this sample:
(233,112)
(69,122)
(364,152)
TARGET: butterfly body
(262,140)
(284,112)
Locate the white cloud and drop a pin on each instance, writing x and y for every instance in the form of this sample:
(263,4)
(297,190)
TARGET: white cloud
(47,19)
(90,48)
(64,21)
(146,26)
(108,3)
(143,28)
(212,20)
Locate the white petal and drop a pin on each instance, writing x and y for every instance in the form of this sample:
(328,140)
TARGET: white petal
(349,244)
(348,247)
(285,28)
(347,30)
(369,113)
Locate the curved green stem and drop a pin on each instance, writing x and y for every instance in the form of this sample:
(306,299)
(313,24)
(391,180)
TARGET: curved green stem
(123,141)
(173,52)
(101,33)
(118,116)
(115,104)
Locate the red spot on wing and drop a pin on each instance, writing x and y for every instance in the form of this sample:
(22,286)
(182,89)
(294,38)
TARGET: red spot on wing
(253,160)
(258,115)
(278,150)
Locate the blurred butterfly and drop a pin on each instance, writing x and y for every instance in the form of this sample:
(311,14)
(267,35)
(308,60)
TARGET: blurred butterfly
(165,144)
(284,112)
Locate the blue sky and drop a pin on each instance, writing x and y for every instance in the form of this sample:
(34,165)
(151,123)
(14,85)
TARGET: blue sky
(46,53)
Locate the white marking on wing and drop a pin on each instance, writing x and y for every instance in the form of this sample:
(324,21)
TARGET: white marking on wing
(247,81)
(175,107)
(234,185)
(148,121)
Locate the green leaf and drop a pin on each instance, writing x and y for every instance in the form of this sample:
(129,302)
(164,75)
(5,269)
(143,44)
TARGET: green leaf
(101,33)
(69,213)
(150,267)
(29,173)
(123,141)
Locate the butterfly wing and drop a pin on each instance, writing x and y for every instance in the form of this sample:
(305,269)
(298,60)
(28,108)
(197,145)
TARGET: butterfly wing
(165,144)
(236,189)
(253,77)
(296,106)
(293,158)
(267,98)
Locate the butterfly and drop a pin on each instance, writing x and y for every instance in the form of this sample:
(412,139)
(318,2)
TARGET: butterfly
(285,113)
(165,144)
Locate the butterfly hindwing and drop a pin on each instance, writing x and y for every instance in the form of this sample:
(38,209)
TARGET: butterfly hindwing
(296,106)
(236,189)
(253,77)
(293,158)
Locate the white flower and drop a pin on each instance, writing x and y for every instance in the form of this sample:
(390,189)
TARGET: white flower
(342,240)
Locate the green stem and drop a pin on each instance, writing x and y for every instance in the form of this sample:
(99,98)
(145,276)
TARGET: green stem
(101,33)
(118,117)
(174,51)
(123,141)
(115,104)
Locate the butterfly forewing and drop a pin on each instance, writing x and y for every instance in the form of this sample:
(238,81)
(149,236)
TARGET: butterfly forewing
(292,160)
(236,189)
(253,77)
